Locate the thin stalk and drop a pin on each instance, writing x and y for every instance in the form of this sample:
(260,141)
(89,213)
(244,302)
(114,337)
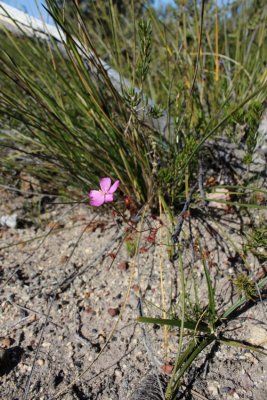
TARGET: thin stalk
(174,379)
(163,302)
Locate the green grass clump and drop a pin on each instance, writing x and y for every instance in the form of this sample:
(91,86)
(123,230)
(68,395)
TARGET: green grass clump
(245,286)
(78,126)
(256,242)
(258,238)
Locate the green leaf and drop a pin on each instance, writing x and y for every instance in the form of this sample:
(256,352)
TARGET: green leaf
(237,343)
(241,301)
(211,307)
(192,325)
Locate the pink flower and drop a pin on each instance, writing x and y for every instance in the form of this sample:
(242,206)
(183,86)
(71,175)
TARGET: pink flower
(105,195)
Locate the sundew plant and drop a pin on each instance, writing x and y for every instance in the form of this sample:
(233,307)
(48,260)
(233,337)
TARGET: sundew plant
(137,99)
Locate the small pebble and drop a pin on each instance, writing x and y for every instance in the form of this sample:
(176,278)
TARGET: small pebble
(166,369)
(213,389)
(6,342)
(113,312)
(123,266)
(118,374)
(225,389)
(10,221)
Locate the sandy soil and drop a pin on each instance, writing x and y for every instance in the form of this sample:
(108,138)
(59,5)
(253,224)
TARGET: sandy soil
(65,275)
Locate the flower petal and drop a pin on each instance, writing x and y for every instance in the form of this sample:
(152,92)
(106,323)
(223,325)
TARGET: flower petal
(108,197)
(114,187)
(97,198)
(105,184)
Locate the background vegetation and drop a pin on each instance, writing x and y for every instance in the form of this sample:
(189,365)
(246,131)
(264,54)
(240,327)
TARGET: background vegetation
(199,70)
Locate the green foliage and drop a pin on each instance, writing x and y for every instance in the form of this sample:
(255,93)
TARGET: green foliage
(131,245)
(145,35)
(65,116)
(204,333)
(258,238)
(245,286)
(248,120)
(256,242)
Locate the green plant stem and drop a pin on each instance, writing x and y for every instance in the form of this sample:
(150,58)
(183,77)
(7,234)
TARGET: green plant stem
(180,344)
